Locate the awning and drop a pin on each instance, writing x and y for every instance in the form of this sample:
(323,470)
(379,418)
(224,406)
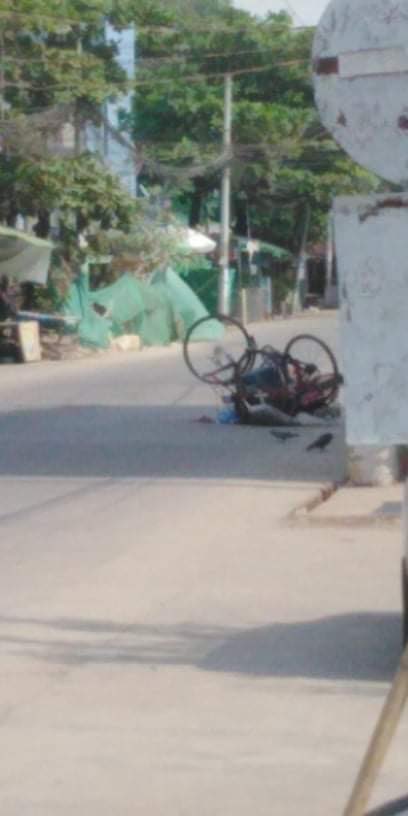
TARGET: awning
(192,241)
(197,242)
(24,257)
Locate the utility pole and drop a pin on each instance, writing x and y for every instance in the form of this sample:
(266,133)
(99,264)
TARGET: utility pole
(77,115)
(299,294)
(2,77)
(224,305)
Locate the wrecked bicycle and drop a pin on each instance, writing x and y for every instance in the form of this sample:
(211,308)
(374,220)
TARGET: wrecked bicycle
(303,378)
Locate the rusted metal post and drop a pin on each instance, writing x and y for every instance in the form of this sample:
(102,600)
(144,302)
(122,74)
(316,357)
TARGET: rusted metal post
(381,741)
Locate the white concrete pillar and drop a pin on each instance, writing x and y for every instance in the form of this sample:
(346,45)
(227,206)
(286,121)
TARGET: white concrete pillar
(370,466)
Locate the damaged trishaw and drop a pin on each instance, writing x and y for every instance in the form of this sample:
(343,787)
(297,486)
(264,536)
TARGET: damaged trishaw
(262,385)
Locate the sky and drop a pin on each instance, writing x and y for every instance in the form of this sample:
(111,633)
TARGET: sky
(304,12)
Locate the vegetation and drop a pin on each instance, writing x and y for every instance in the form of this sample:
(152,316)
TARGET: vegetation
(284,163)
(57,71)
(56,67)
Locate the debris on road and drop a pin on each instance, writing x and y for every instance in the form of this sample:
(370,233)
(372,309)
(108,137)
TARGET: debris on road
(228,416)
(264,386)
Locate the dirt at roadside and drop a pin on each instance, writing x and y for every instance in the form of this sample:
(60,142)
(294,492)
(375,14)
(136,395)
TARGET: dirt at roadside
(57,348)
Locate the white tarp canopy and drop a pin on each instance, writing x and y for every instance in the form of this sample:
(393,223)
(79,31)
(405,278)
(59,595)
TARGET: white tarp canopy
(192,241)
(196,241)
(24,257)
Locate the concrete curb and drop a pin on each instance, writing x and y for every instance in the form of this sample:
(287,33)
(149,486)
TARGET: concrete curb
(355,522)
(306,516)
(302,513)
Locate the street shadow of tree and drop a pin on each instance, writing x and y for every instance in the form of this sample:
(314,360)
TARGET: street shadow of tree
(354,647)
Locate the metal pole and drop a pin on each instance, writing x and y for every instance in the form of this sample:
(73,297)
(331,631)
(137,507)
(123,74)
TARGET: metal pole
(298,303)
(2,77)
(388,722)
(328,293)
(380,742)
(224,305)
(77,116)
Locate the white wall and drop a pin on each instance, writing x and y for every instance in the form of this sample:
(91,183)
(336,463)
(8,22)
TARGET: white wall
(117,157)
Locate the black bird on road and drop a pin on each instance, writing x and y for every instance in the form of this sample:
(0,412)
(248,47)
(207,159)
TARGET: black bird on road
(283,436)
(321,443)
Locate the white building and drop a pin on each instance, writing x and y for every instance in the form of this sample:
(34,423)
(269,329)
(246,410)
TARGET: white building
(116,156)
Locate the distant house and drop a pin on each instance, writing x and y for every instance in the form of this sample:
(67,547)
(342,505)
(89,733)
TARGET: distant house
(321,276)
(117,157)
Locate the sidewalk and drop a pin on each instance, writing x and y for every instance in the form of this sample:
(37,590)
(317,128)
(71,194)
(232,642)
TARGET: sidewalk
(354,541)
(355,507)
(233,666)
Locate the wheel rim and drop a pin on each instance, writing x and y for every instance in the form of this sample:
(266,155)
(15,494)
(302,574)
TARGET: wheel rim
(310,362)
(311,352)
(216,350)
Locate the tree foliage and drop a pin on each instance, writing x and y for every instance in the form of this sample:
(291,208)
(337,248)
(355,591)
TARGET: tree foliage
(283,162)
(57,66)
(54,58)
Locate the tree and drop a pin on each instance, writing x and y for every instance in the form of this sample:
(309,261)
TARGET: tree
(283,161)
(56,67)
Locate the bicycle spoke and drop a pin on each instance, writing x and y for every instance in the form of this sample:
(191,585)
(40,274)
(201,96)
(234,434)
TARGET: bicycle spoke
(215,351)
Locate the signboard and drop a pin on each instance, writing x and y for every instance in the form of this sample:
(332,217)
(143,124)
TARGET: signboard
(360,61)
(29,339)
(371,236)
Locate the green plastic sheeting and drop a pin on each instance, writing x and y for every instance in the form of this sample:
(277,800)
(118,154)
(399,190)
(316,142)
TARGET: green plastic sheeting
(203,278)
(93,330)
(159,311)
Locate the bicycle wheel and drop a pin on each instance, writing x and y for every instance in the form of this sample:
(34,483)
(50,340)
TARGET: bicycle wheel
(218,349)
(397,808)
(306,356)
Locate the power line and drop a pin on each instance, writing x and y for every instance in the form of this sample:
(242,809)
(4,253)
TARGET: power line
(175,29)
(138,62)
(198,77)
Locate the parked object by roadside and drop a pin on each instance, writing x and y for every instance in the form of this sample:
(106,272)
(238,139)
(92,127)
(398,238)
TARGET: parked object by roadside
(264,386)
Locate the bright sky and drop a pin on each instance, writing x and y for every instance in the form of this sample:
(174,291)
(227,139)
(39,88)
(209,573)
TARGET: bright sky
(304,12)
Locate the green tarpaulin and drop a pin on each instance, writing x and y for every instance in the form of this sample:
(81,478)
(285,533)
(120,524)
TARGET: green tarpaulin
(158,311)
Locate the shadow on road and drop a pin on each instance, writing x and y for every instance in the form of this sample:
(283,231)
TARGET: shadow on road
(152,441)
(354,647)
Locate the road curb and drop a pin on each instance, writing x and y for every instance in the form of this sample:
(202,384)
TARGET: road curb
(304,515)
(303,511)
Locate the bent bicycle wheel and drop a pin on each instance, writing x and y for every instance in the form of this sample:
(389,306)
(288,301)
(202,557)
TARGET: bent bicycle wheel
(306,356)
(218,349)
(397,808)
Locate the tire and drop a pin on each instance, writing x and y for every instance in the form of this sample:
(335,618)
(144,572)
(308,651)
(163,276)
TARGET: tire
(237,350)
(397,808)
(405,601)
(318,350)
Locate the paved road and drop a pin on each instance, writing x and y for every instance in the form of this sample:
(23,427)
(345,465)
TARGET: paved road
(169,645)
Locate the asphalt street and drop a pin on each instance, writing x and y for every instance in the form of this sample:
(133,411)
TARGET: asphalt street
(170,644)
